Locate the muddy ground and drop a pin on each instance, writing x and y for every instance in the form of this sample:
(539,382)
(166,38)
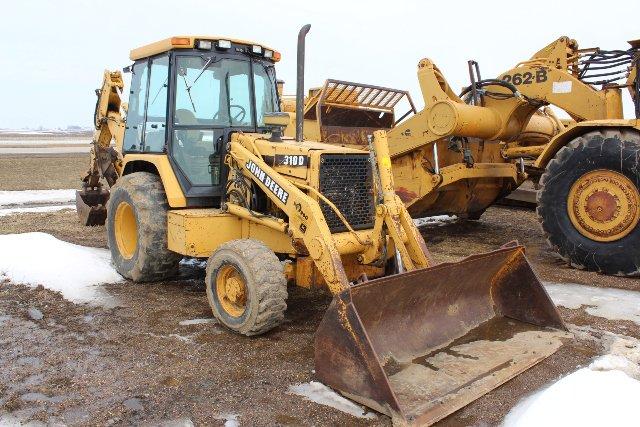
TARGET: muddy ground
(135,364)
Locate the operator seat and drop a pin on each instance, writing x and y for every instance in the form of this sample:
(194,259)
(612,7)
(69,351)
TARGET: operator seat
(186,117)
(190,149)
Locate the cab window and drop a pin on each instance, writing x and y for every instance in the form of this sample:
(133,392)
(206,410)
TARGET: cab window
(212,92)
(156,119)
(264,83)
(133,136)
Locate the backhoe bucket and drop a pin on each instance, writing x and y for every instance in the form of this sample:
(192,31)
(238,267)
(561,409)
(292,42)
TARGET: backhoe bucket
(420,345)
(91,206)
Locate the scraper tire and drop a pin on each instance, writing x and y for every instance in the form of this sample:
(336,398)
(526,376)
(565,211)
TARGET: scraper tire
(137,229)
(246,286)
(590,183)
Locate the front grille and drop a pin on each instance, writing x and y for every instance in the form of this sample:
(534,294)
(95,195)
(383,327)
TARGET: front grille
(345,179)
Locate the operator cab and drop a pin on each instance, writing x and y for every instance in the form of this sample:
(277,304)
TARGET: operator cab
(187,95)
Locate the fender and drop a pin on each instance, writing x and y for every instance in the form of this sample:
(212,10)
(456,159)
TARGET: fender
(577,130)
(159,162)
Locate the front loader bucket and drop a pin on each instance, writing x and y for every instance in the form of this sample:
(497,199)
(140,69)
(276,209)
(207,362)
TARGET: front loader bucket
(91,206)
(420,345)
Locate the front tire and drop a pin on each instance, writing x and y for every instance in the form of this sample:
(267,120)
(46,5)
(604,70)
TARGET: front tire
(137,229)
(246,286)
(589,202)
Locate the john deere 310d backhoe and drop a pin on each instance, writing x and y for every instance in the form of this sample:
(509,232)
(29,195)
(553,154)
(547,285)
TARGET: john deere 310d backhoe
(200,169)
(461,153)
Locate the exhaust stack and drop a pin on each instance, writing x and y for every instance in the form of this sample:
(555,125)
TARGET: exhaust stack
(300,82)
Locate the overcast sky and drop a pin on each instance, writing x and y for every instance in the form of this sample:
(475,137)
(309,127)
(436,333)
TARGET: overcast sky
(54,52)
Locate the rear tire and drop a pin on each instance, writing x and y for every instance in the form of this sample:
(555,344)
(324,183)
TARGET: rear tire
(587,202)
(137,229)
(246,287)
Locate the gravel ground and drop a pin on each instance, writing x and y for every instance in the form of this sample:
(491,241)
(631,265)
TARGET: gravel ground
(135,364)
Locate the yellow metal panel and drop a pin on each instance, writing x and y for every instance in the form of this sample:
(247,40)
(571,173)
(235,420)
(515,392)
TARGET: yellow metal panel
(166,45)
(198,232)
(175,196)
(307,275)
(280,243)
(581,128)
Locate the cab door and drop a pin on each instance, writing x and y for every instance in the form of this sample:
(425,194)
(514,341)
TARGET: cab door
(212,96)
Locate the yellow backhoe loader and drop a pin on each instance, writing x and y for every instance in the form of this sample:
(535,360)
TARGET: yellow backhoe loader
(462,153)
(200,168)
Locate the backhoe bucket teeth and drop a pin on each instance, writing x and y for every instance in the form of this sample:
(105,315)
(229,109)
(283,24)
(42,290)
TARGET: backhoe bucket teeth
(420,345)
(91,206)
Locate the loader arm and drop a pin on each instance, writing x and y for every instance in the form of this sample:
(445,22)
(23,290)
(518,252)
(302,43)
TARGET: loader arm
(307,223)
(316,235)
(106,161)
(564,76)
(445,115)
(553,76)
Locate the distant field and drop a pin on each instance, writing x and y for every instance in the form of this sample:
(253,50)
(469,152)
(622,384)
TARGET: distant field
(37,139)
(16,134)
(42,172)
(38,142)
(44,143)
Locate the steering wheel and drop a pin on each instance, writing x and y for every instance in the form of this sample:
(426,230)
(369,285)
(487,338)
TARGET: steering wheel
(241,114)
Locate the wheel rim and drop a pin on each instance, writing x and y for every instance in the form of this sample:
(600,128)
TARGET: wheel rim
(603,205)
(231,290)
(126,230)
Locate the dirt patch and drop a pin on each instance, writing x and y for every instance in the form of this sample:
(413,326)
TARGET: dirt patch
(135,364)
(501,224)
(42,172)
(64,225)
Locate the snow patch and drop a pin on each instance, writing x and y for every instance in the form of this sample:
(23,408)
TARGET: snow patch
(623,354)
(197,321)
(10,420)
(230,420)
(583,398)
(438,220)
(13,198)
(180,422)
(610,303)
(188,339)
(604,393)
(193,263)
(320,393)
(35,209)
(75,271)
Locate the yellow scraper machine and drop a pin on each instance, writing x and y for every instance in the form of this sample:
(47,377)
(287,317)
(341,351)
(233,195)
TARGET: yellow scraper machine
(200,168)
(461,153)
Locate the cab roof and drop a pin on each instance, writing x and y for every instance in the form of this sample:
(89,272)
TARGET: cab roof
(182,42)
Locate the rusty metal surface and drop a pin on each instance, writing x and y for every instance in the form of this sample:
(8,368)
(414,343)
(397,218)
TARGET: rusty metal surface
(421,345)
(359,95)
(91,206)
(345,135)
(522,196)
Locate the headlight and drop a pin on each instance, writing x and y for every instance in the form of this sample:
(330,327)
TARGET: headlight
(223,44)
(204,44)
